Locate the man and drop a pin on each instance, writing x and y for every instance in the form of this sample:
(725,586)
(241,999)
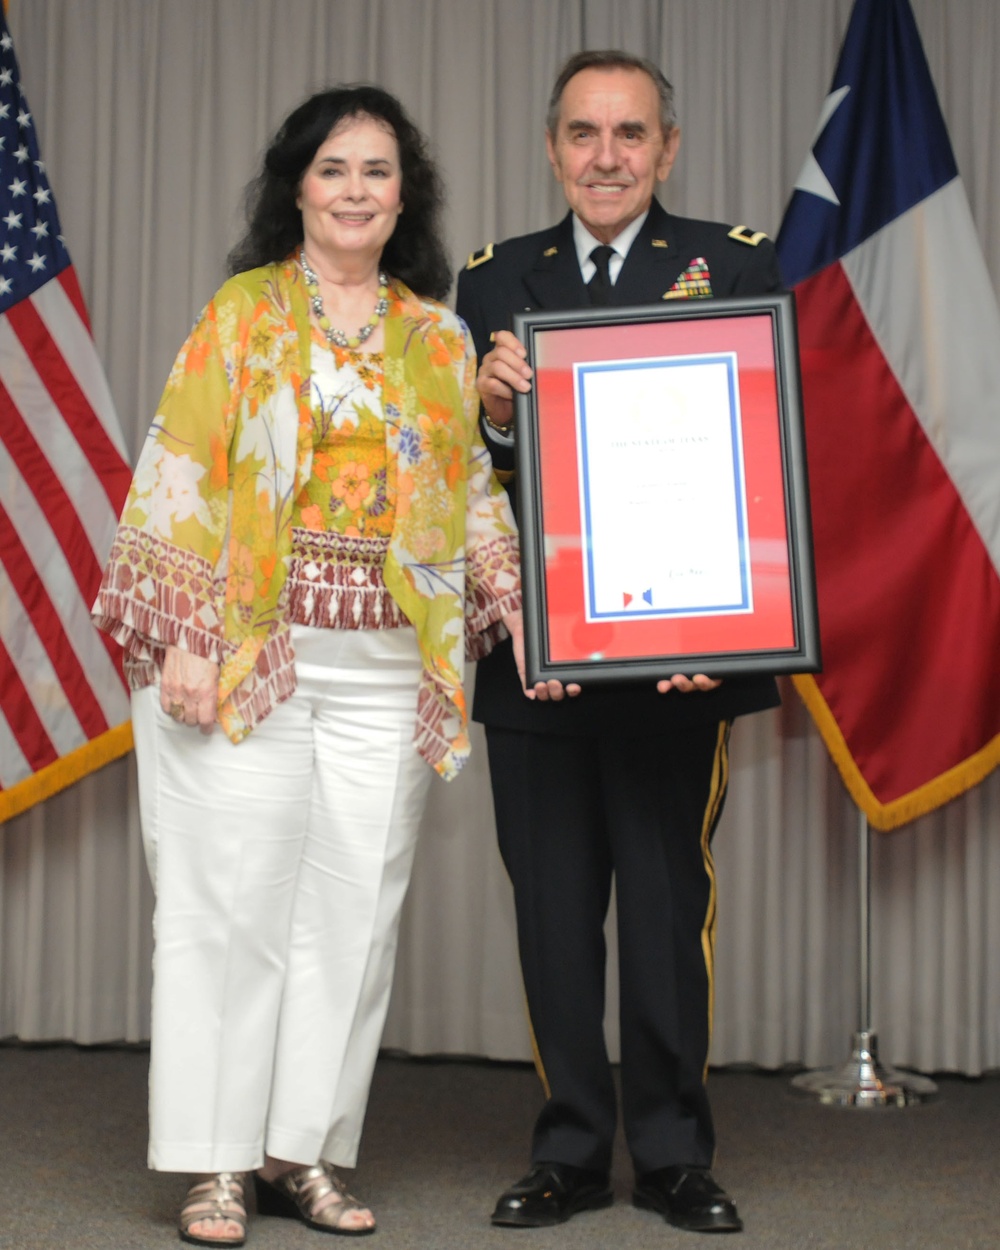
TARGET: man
(620,781)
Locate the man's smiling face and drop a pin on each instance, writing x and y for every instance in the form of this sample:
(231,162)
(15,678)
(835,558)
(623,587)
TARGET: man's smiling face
(609,150)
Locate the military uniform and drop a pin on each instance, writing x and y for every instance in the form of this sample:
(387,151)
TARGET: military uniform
(621,781)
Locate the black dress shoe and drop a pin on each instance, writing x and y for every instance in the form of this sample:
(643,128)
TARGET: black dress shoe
(688,1197)
(550,1194)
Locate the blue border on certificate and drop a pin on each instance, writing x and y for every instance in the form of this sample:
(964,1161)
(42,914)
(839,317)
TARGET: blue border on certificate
(744,603)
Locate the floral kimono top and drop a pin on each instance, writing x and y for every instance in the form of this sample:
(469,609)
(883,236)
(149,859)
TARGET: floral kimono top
(202,552)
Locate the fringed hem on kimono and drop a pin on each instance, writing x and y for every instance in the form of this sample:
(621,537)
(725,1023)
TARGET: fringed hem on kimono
(492,591)
(337,582)
(154,595)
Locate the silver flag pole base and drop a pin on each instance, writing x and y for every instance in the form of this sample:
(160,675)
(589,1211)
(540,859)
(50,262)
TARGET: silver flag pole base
(863,1081)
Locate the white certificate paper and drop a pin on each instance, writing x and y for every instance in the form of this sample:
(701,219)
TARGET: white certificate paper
(662,487)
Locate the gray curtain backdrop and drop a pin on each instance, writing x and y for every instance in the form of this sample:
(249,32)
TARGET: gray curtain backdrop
(152,116)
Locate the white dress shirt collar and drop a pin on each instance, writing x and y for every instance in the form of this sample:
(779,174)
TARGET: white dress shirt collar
(585,244)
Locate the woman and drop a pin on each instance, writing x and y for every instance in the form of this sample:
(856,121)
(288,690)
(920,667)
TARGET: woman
(313,542)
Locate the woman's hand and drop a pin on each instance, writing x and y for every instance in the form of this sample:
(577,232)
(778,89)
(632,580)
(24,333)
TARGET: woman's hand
(687,684)
(542,690)
(189,688)
(502,372)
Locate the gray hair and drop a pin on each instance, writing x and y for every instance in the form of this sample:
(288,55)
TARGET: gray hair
(611,59)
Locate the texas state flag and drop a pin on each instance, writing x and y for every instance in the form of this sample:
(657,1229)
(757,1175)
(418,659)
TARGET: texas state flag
(899,332)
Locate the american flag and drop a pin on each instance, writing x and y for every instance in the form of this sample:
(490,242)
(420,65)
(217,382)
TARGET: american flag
(63,480)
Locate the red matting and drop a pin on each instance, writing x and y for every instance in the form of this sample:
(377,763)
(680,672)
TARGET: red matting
(769,626)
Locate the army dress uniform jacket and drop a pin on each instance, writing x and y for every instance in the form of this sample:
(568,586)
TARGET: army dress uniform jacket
(671,257)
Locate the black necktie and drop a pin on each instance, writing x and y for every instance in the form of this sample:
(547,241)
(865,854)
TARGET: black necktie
(599,287)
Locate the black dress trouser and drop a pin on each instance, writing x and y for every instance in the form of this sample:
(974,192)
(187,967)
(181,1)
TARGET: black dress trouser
(572,813)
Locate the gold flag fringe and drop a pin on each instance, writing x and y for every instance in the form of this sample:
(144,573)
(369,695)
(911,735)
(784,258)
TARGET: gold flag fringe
(94,754)
(910,806)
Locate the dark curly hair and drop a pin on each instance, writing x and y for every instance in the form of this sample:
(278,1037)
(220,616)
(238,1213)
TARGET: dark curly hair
(414,253)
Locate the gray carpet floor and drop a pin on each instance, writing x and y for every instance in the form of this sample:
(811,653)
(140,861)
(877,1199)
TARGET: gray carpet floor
(444,1137)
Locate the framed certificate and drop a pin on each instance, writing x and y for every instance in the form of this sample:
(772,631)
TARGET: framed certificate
(664,504)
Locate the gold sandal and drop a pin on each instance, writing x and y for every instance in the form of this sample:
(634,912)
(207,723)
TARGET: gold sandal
(316,1195)
(220,1197)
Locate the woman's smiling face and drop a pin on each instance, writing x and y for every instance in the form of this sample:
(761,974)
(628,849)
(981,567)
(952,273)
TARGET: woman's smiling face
(350,193)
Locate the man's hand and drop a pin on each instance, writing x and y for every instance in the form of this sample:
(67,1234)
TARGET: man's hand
(554,690)
(687,684)
(189,688)
(542,690)
(502,372)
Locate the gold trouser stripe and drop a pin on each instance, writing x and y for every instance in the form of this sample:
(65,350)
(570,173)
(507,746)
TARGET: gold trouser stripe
(716,796)
(536,1053)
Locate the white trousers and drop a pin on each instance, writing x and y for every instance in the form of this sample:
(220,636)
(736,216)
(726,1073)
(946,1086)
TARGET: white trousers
(280,866)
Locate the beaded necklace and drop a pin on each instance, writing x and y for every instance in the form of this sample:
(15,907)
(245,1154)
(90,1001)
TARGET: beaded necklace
(338,336)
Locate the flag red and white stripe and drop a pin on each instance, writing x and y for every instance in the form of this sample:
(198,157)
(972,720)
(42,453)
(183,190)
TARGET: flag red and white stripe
(63,479)
(899,333)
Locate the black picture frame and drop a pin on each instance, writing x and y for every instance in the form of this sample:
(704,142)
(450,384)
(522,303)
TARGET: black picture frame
(751,341)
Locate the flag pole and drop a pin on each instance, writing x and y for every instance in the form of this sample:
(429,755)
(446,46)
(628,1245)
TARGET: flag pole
(863,1081)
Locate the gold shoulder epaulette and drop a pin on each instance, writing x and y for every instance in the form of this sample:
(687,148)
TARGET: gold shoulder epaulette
(481,257)
(743,234)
